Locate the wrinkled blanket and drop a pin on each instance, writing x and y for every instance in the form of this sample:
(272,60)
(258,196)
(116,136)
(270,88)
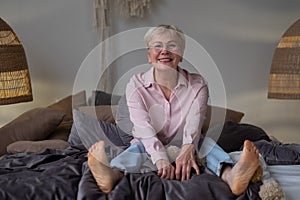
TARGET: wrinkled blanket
(149,186)
(52,174)
(63,174)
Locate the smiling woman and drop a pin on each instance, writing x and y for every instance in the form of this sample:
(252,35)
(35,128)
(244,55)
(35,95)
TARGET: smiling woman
(165,50)
(167,107)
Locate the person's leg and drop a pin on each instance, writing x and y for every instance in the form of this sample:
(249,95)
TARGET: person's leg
(215,156)
(130,160)
(108,175)
(240,175)
(105,176)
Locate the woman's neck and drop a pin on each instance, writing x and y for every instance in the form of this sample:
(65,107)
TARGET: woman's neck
(166,79)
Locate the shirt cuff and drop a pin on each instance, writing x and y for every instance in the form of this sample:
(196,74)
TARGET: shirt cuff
(190,140)
(158,155)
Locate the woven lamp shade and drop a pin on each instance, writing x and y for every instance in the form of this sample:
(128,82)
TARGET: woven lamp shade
(15,85)
(284,81)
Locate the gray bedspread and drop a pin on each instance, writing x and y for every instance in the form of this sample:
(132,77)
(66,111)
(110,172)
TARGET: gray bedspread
(64,174)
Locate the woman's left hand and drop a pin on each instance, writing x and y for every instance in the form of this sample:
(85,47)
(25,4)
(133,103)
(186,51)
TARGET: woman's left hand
(185,162)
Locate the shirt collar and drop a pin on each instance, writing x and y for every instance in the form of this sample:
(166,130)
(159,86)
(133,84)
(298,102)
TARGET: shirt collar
(182,79)
(149,77)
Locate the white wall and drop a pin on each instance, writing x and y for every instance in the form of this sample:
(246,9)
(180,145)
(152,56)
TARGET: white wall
(240,36)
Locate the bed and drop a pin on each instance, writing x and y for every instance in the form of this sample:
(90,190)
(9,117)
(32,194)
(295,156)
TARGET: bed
(43,154)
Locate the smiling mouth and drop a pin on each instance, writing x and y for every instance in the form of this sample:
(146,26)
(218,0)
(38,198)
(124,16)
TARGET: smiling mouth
(165,60)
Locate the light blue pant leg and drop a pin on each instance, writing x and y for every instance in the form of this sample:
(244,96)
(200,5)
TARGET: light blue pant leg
(215,155)
(131,159)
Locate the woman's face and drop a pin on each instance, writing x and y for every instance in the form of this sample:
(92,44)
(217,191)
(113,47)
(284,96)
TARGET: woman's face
(164,52)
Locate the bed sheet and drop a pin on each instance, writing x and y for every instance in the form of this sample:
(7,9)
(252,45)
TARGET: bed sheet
(288,177)
(53,174)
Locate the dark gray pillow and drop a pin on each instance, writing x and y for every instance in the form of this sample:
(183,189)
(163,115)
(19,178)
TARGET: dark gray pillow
(234,134)
(102,98)
(123,121)
(74,138)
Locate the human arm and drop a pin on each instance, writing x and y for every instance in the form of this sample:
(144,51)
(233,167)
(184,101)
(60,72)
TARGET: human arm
(192,130)
(144,131)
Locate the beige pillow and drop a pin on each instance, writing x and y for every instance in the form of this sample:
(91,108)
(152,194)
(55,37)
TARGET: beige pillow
(35,124)
(66,105)
(104,112)
(107,113)
(36,146)
(62,131)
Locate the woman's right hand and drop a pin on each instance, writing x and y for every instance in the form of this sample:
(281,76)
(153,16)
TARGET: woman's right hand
(165,169)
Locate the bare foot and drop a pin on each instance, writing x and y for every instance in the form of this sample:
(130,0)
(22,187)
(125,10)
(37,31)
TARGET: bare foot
(239,176)
(105,176)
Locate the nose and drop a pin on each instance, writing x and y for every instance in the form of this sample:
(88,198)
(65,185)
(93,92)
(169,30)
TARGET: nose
(168,47)
(164,52)
(165,49)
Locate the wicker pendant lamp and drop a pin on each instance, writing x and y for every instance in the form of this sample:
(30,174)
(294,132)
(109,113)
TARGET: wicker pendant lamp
(15,85)
(284,81)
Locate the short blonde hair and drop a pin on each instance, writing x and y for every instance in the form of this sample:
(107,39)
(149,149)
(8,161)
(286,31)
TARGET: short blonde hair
(163,29)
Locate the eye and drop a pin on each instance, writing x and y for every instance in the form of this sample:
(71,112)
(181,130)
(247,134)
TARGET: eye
(157,46)
(172,46)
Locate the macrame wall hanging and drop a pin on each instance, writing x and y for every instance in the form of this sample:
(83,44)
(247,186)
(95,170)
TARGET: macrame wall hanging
(128,8)
(134,8)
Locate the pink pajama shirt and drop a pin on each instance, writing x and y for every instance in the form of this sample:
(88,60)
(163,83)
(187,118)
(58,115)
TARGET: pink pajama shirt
(157,121)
